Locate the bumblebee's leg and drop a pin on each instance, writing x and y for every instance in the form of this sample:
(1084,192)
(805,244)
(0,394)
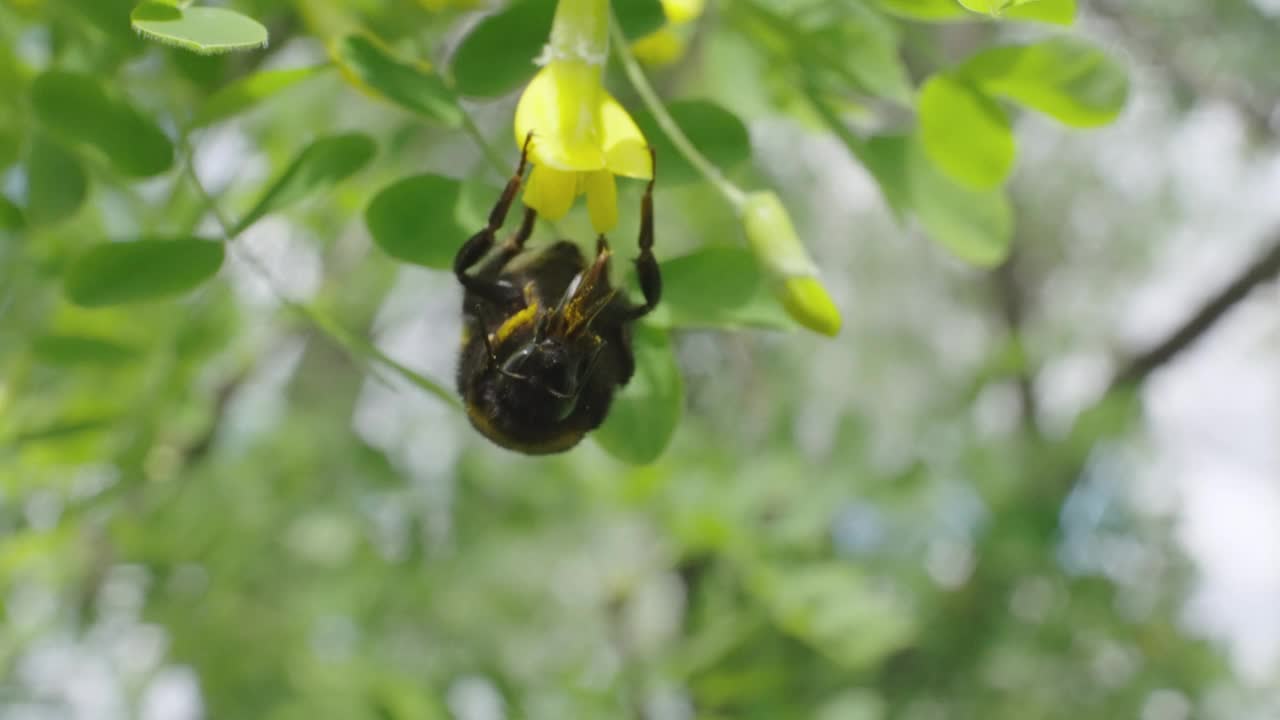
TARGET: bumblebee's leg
(479,245)
(646,266)
(515,245)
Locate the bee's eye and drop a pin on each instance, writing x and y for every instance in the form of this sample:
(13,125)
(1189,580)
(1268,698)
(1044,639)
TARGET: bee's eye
(513,365)
(561,379)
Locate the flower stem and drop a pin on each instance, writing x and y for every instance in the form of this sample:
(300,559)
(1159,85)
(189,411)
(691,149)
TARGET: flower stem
(732,193)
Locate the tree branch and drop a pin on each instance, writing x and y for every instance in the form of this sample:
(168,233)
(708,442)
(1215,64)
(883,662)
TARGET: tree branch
(1264,268)
(1010,297)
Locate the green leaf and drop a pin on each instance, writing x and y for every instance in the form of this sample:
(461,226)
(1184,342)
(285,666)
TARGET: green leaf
(321,165)
(965,132)
(11,218)
(10,144)
(1065,78)
(369,64)
(1057,12)
(975,226)
(416,220)
(110,17)
(247,92)
(639,17)
(835,609)
(718,133)
(124,272)
(56,182)
(987,7)
(202,30)
(927,10)
(497,56)
(716,287)
(869,45)
(72,350)
(75,107)
(644,415)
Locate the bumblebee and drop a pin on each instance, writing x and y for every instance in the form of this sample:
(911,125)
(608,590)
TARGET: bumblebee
(546,338)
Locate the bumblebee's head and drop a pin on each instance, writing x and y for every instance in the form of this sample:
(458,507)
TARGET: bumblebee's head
(542,379)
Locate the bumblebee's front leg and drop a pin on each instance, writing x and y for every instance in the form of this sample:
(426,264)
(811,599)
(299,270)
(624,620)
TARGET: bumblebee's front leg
(478,246)
(646,266)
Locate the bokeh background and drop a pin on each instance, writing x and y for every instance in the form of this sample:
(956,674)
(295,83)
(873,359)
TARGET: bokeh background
(1049,489)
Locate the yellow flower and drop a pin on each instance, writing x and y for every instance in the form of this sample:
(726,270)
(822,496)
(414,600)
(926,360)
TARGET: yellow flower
(666,44)
(582,136)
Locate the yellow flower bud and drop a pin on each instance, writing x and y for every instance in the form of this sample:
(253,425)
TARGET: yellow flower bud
(667,44)
(792,273)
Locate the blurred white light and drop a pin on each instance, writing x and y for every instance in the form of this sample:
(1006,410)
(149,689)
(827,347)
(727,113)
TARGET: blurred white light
(173,694)
(475,698)
(1166,705)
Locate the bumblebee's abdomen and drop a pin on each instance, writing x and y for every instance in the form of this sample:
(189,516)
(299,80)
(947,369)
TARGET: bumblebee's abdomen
(531,441)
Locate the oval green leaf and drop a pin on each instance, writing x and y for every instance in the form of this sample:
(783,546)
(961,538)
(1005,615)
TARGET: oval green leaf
(416,220)
(56,182)
(638,18)
(11,217)
(497,56)
(203,30)
(75,107)
(247,92)
(716,287)
(124,272)
(644,415)
(716,132)
(1057,12)
(926,10)
(986,7)
(370,65)
(974,225)
(10,144)
(1065,78)
(71,350)
(965,133)
(321,165)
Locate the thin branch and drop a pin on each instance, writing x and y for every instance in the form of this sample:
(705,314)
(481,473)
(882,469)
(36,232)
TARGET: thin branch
(635,74)
(1011,299)
(1264,268)
(361,349)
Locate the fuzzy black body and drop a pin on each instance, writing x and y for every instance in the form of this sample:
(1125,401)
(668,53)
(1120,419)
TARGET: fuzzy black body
(546,337)
(527,416)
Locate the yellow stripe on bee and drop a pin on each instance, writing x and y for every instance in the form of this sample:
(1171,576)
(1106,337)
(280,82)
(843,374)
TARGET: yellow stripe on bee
(513,323)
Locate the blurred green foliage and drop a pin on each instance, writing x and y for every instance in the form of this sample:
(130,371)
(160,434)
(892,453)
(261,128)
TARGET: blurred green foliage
(208,428)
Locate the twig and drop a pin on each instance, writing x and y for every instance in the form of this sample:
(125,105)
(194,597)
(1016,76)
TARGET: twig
(1010,297)
(359,348)
(1264,268)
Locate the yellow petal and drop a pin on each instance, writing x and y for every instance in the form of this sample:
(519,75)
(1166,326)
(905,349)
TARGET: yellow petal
(602,200)
(551,192)
(625,150)
(561,107)
(682,11)
(660,47)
